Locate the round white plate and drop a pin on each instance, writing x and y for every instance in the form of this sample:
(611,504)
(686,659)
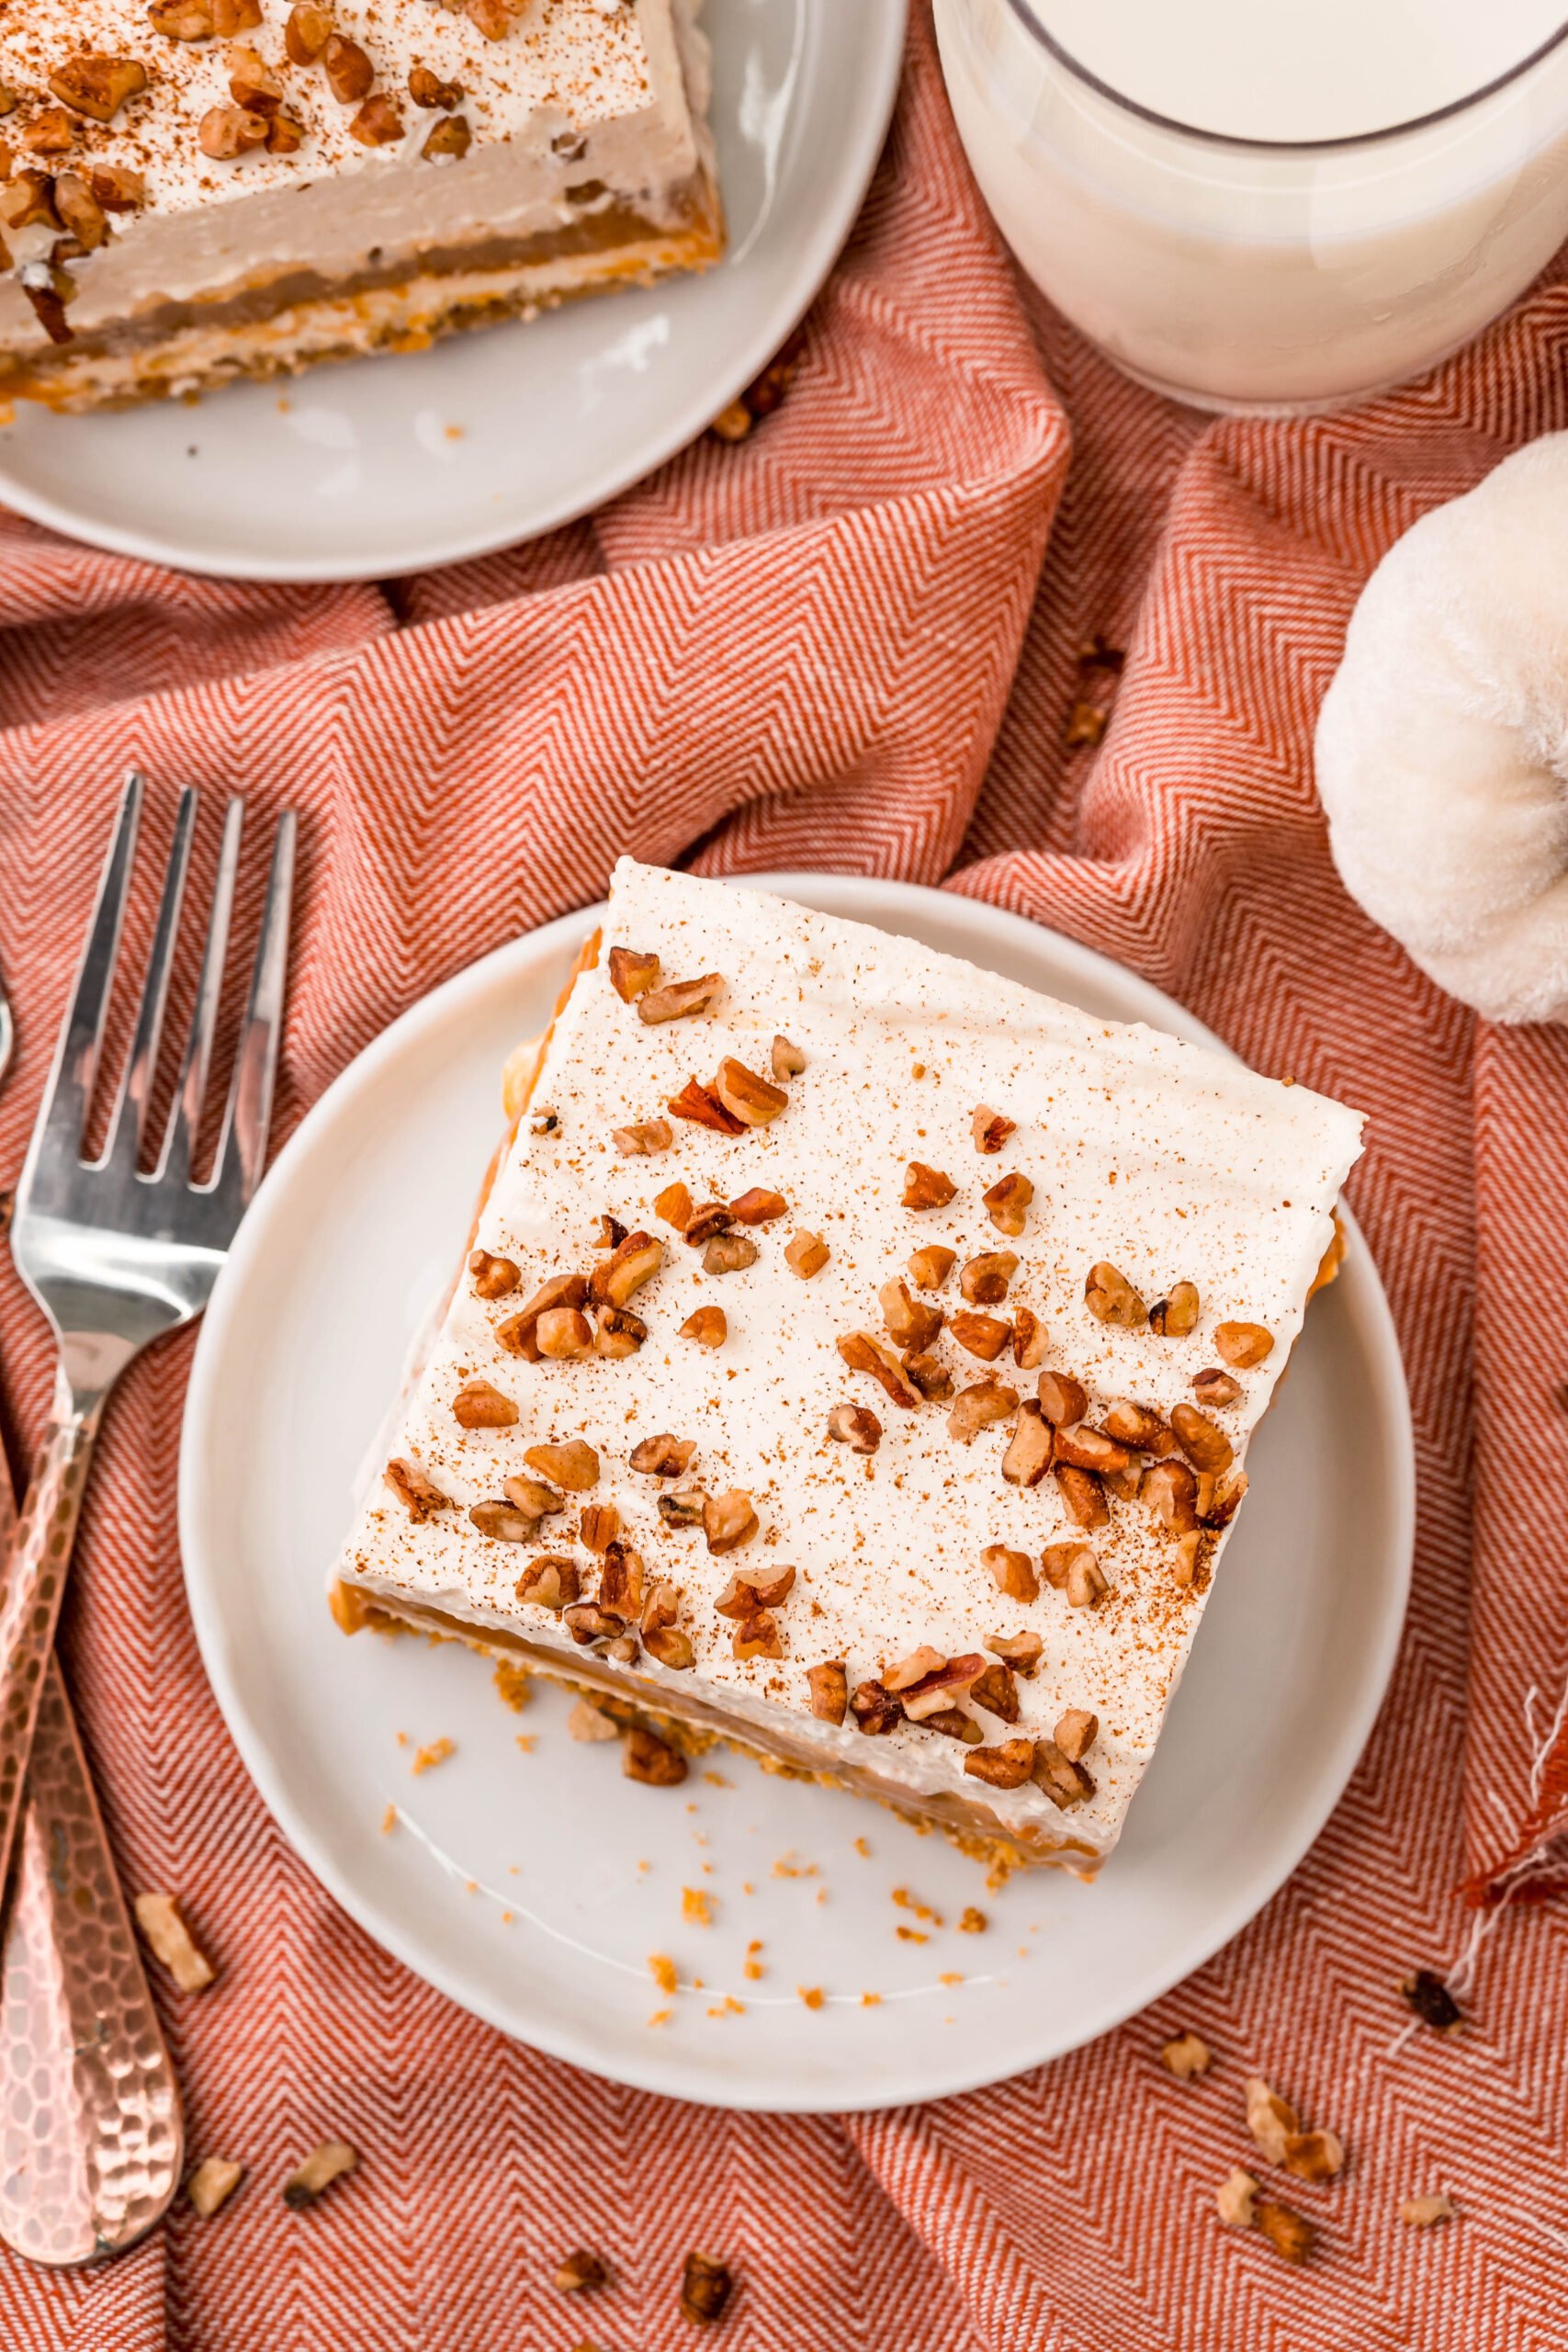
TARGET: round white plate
(533,1887)
(398,464)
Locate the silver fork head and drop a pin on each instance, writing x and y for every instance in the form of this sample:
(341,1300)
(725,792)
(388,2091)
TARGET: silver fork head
(114,1255)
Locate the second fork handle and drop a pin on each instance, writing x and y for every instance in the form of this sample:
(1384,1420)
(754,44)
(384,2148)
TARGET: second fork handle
(35,1562)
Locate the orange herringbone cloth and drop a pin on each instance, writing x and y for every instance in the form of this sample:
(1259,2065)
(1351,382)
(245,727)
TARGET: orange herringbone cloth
(853,641)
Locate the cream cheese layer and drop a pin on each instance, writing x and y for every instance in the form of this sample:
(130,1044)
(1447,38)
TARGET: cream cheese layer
(1169,1163)
(579,107)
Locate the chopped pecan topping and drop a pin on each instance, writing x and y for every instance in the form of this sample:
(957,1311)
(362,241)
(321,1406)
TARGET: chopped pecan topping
(586,1623)
(349,70)
(575,1466)
(533,1498)
(1287,2233)
(706,1325)
(1062,1401)
(643,1140)
(1073,1569)
(757,1636)
(980,1335)
(631,974)
(929,1267)
(180,20)
(1220,1496)
(1314,2155)
(984,1280)
(682,1506)
(478,1406)
(620,1580)
(1420,2212)
(758,1207)
(1028,1456)
(1022,1652)
(660,1610)
(48,134)
(671,1647)
(1012,1574)
(926,1188)
(1088,1449)
(118,187)
(805,1254)
(231,17)
(285,135)
(493,1277)
(632,1263)
(599,1526)
(1244,1345)
(1076,1733)
(1188,1554)
(548,1581)
(1007,1203)
(610,1233)
(520,1333)
(863,1352)
(728,1519)
(1187,2056)
(977,1407)
(910,1323)
(679,999)
(1111,1298)
(663,1456)
(954,1723)
(564,1334)
(99,86)
(704,1109)
(990,1129)
(855,1426)
(1205,1445)
(1214,1388)
(646,1757)
(1065,1782)
(450,136)
(306,32)
(705,2289)
(1170,1490)
(1082,1493)
(674,1205)
(1007,1767)
(418,1495)
(929,1372)
(730,1253)
(252,82)
(1234,2199)
(1174,1318)
(316,2174)
(904,1672)
(752,1099)
(503,1523)
(787,1061)
(995,1691)
(212,2183)
(828,1684)
(1270,2118)
(589,1725)
(579,2273)
(875,1711)
(617,1332)
(225,133)
(743,1596)
(1134,1425)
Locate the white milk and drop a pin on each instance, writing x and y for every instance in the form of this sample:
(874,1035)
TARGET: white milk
(1237,275)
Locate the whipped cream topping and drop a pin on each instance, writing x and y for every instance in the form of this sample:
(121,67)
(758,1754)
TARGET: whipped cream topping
(1169,1162)
(579,105)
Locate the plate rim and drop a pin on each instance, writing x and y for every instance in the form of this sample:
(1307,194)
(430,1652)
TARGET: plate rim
(814,260)
(663,2074)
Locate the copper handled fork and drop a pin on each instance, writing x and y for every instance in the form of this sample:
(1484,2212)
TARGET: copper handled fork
(116,1258)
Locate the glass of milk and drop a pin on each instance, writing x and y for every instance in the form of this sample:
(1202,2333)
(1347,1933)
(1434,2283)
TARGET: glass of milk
(1269,205)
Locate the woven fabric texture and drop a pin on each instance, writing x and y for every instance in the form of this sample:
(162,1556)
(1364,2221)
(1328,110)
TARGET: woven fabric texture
(853,641)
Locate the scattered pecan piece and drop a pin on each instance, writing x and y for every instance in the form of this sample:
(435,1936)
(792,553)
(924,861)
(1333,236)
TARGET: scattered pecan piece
(533,1498)
(99,86)
(1314,2155)
(1022,1652)
(1136,1426)
(1187,2056)
(728,1519)
(855,1426)
(1244,1345)
(929,1372)
(575,1466)
(929,1267)
(1289,2235)
(1073,1569)
(1422,2211)
(707,1325)
(1065,1782)
(995,1689)
(805,1254)
(418,1493)
(611,1232)
(493,1277)
(758,1207)
(316,2174)
(1189,1557)
(632,974)
(520,1333)
(646,1757)
(1083,1495)
(642,1140)
(591,1726)
(1007,1203)
(1012,1572)
(705,2289)
(168,1938)
(1234,2199)
(549,1583)
(743,1596)
(1074,1733)
(1111,1298)
(984,1280)
(1271,2119)
(674,1205)
(978,1405)
(786,1061)
(663,1456)
(980,1335)
(757,1636)
(679,999)
(226,133)
(617,1332)
(1062,1401)
(186,20)
(682,1506)
(212,2184)
(730,1253)
(1028,1456)
(1174,1316)
(829,1685)
(910,1324)
(1006,1767)
(450,136)
(579,2272)
(863,1352)
(503,1523)
(586,1622)
(1215,1387)
(306,32)
(1170,1490)
(48,134)
(563,1334)
(349,70)
(633,1262)
(954,1723)
(671,1647)
(231,17)
(990,1129)
(710,1217)
(752,1099)
(926,1188)
(1205,1445)
(875,1711)
(479,1405)
(704,1109)
(1087,1448)
(599,1526)
(252,82)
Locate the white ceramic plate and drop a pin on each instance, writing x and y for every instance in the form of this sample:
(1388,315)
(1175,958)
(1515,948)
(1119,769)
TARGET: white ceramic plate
(399,464)
(354,1234)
